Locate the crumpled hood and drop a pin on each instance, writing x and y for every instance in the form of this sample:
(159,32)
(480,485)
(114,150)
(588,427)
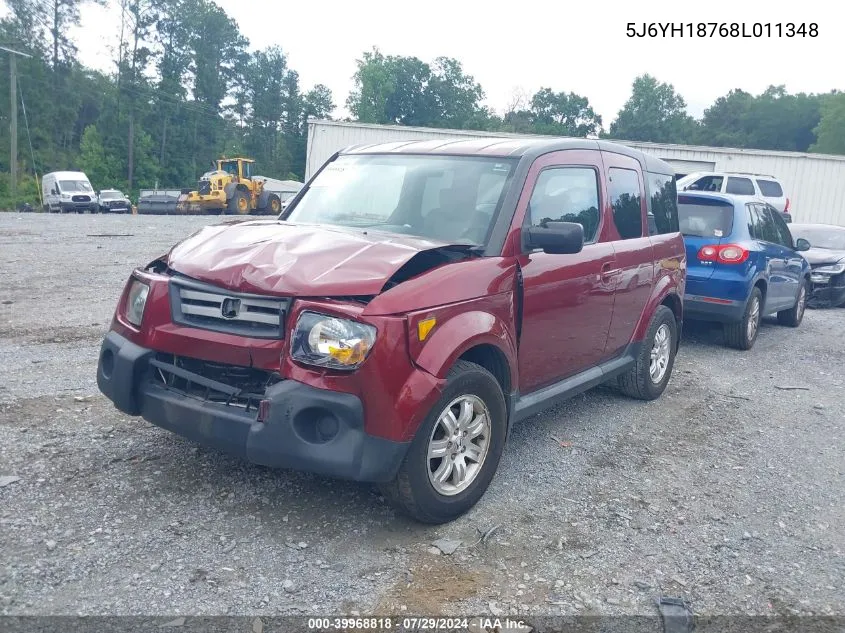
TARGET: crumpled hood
(275,257)
(817,256)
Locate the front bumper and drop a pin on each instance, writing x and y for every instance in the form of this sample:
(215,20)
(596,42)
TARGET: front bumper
(77,207)
(827,291)
(305,428)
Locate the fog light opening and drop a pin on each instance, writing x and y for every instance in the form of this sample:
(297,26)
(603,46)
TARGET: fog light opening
(327,428)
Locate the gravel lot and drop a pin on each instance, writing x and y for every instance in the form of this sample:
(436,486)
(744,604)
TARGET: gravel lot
(728,491)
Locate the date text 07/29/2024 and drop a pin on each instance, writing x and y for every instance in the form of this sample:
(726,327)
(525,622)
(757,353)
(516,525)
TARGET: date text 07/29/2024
(722,29)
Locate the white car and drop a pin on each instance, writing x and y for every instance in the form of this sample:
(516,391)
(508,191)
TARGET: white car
(113,201)
(761,186)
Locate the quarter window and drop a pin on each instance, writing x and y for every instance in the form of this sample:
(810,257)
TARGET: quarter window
(740,186)
(625,198)
(663,217)
(567,194)
(770,188)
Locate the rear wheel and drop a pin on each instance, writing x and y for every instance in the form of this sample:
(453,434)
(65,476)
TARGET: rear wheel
(456,451)
(275,205)
(795,315)
(743,333)
(648,378)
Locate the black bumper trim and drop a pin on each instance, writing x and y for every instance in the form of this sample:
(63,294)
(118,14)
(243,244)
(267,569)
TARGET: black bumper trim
(289,438)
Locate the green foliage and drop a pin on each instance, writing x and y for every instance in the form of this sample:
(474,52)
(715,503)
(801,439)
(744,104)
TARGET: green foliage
(654,112)
(100,169)
(830,132)
(184,91)
(408,91)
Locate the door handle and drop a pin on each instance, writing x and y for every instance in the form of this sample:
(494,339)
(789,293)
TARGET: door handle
(607,272)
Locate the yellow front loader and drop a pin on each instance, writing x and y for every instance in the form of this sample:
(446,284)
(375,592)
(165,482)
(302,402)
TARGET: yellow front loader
(230,188)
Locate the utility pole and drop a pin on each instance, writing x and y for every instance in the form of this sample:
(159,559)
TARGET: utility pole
(13,86)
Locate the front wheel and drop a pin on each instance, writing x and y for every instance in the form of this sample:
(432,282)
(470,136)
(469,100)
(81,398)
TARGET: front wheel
(456,451)
(648,378)
(239,203)
(795,314)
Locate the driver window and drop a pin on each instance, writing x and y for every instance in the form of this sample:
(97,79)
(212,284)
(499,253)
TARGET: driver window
(567,194)
(707,183)
(434,191)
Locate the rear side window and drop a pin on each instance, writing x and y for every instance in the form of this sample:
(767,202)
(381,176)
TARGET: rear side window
(770,188)
(705,218)
(767,231)
(740,186)
(755,222)
(567,194)
(784,236)
(625,198)
(663,217)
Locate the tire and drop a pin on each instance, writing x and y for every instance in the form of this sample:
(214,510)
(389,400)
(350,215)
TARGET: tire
(274,205)
(660,342)
(795,314)
(741,335)
(239,203)
(413,492)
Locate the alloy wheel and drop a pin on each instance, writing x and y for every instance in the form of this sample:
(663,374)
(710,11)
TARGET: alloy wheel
(458,445)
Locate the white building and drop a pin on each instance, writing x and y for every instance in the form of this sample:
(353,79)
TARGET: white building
(814,183)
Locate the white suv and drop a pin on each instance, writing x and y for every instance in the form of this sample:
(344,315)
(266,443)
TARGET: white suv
(768,188)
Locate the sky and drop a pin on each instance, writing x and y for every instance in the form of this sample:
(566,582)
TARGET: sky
(578,47)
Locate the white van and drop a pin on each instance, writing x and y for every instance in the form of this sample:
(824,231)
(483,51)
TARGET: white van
(68,191)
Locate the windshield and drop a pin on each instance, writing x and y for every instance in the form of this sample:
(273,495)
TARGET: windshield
(705,218)
(230,167)
(448,198)
(69,186)
(828,237)
(111,195)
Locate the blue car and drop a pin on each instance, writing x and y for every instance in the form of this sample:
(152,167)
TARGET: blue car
(742,264)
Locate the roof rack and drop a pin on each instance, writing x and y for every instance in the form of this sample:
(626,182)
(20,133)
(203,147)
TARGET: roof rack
(748,173)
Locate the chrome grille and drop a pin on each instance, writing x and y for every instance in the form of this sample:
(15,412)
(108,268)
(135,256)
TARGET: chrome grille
(204,306)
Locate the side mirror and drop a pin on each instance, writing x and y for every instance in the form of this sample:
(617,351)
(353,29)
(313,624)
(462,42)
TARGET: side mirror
(801,244)
(557,238)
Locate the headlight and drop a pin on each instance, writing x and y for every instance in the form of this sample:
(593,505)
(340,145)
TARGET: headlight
(331,342)
(136,300)
(65,196)
(832,269)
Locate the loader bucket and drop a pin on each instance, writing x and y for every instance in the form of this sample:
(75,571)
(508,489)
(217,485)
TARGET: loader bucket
(159,201)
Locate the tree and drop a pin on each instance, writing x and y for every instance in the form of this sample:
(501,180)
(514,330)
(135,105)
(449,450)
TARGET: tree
(726,122)
(654,112)
(408,91)
(374,83)
(830,131)
(99,168)
(454,96)
(563,114)
(773,120)
(318,103)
